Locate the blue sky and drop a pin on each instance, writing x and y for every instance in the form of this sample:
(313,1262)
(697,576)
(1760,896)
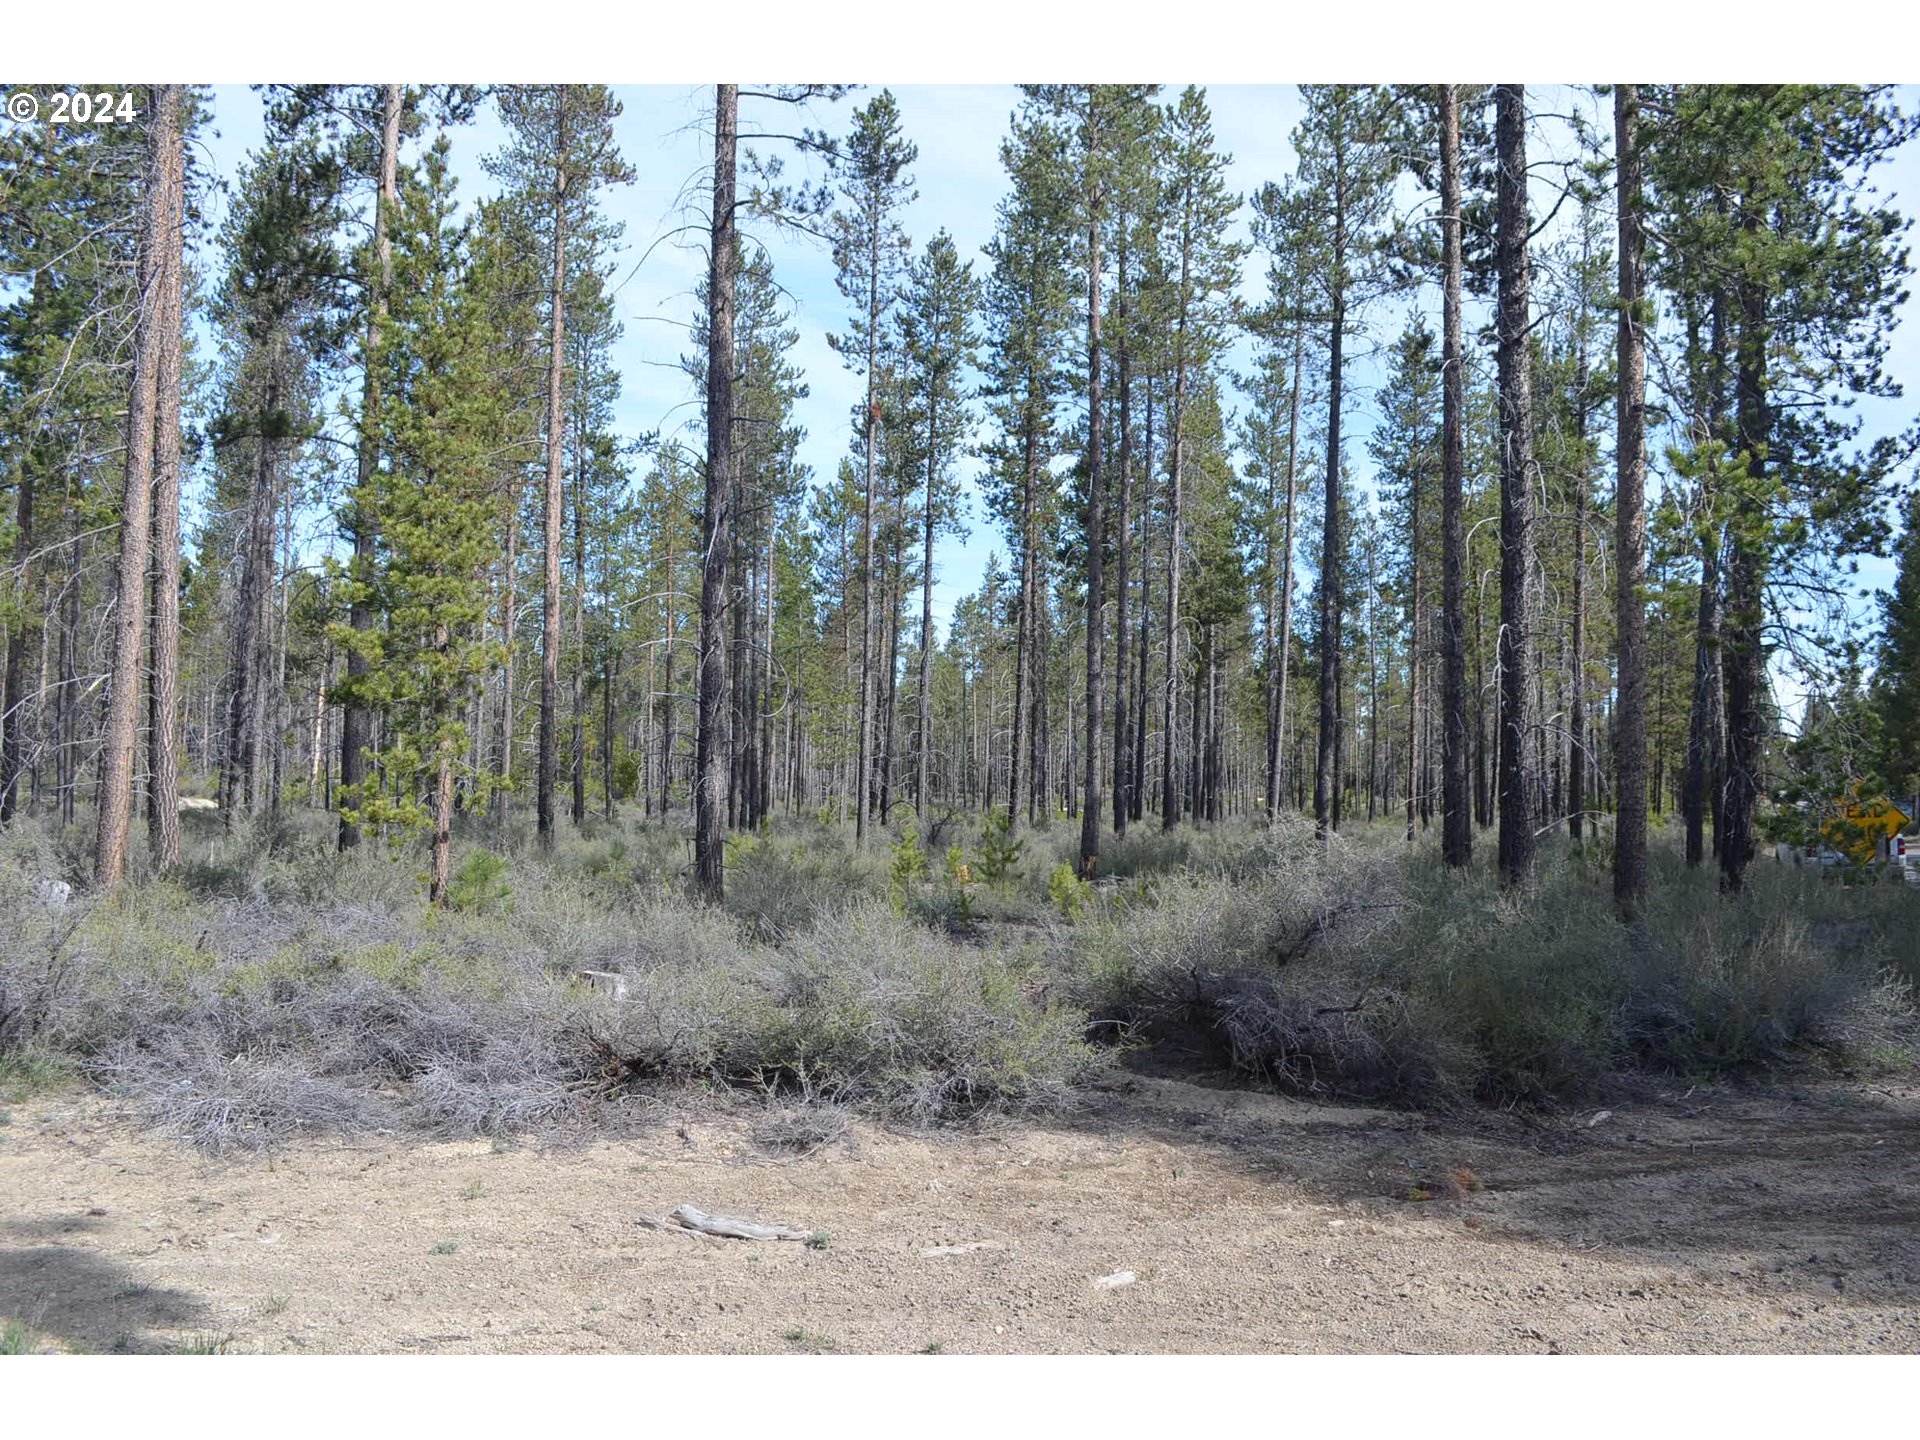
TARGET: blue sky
(664,135)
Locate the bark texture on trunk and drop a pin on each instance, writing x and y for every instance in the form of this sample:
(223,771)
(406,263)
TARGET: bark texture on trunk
(1519,717)
(710,748)
(163,697)
(1630,541)
(1090,799)
(550,539)
(1326,779)
(1742,648)
(1122,661)
(130,612)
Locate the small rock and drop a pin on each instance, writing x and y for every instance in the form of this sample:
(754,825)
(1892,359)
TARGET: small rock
(1115,1280)
(98,1210)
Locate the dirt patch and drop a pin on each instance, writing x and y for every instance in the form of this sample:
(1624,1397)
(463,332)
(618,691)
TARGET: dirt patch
(1775,1220)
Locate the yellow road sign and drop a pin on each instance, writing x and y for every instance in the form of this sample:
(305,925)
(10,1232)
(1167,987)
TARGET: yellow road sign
(1861,823)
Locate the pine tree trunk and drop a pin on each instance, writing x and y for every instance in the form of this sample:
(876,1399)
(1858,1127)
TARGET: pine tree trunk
(163,699)
(1326,783)
(13,700)
(1630,544)
(1090,799)
(356,721)
(1455,750)
(121,740)
(871,423)
(440,853)
(1142,691)
(1577,669)
(509,632)
(1122,661)
(1519,719)
(1743,646)
(550,534)
(924,727)
(1415,670)
(1177,456)
(1286,552)
(888,732)
(710,759)
(1022,645)
(579,687)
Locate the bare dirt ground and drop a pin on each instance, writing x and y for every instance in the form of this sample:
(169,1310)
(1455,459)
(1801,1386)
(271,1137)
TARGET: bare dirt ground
(1714,1221)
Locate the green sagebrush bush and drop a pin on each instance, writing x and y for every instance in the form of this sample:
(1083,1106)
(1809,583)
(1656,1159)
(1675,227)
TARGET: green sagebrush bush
(1362,972)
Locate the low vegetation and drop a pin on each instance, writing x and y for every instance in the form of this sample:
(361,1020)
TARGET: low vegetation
(271,987)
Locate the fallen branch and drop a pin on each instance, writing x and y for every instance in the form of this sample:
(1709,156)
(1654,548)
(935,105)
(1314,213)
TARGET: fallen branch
(691,1218)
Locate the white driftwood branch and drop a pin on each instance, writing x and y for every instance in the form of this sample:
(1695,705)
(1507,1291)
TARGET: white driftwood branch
(693,1218)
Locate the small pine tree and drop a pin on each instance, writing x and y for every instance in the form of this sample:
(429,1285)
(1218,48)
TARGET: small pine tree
(909,865)
(999,848)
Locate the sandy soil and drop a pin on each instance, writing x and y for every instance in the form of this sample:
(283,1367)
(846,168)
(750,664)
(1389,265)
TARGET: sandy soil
(1763,1220)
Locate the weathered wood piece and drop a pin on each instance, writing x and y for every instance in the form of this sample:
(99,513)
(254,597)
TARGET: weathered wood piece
(693,1218)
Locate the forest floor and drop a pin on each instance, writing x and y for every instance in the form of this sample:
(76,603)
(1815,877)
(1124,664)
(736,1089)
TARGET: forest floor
(1716,1220)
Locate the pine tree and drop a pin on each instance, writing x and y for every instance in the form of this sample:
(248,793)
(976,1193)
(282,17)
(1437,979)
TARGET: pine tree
(1406,447)
(716,511)
(1347,148)
(1766,186)
(432,505)
(1456,842)
(281,310)
(561,153)
(354,728)
(1027,304)
(867,251)
(938,341)
(1519,564)
(158,237)
(1205,262)
(1630,519)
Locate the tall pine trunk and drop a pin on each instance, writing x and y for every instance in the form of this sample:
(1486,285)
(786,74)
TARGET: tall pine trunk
(923,743)
(1743,646)
(870,432)
(1577,669)
(579,686)
(1138,787)
(1630,543)
(1122,661)
(1326,781)
(710,757)
(1090,799)
(1416,767)
(163,696)
(356,721)
(130,612)
(1176,464)
(1456,809)
(550,535)
(1519,719)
